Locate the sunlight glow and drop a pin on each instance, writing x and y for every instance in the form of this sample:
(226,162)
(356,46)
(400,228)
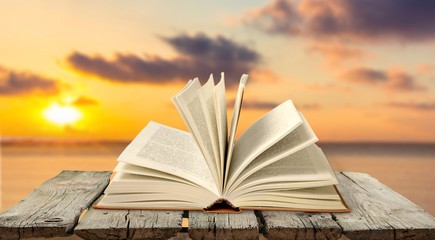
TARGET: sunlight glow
(62,115)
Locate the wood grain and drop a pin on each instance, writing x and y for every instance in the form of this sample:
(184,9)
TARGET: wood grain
(298,225)
(223,225)
(129,224)
(378,212)
(53,208)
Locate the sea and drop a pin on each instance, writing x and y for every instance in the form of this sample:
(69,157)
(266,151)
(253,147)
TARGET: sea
(408,168)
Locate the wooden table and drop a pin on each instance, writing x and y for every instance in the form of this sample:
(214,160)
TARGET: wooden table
(58,208)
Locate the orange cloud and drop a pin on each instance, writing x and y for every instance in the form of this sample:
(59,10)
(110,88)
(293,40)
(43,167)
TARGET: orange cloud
(84,101)
(425,106)
(268,105)
(264,76)
(328,86)
(309,106)
(426,69)
(335,53)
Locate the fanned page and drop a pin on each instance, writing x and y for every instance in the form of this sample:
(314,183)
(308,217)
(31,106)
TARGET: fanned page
(303,180)
(296,140)
(303,169)
(206,97)
(261,135)
(189,105)
(169,150)
(233,127)
(204,111)
(220,105)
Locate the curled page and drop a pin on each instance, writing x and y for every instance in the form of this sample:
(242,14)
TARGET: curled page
(234,122)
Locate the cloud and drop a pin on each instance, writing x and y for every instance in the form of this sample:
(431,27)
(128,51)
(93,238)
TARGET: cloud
(16,83)
(84,101)
(357,20)
(392,79)
(309,106)
(198,55)
(68,128)
(426,69)
(276,17)
(403,81)
(365,76)
(427,106)
(269,105)
(335,53)
(260,105)
(264,76)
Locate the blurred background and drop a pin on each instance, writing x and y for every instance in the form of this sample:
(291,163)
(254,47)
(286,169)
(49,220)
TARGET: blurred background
(79,79)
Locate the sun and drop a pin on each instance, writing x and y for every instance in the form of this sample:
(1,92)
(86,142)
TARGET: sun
(62,115)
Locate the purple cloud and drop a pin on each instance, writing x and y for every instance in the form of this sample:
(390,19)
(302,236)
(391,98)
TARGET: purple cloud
(393,79)
(199,55)
(405,20)
(15,83)
(365,76)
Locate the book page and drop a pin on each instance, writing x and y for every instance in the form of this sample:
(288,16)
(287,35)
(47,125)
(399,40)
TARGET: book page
(206,97)
(308,164)
(130,190)
(132,184)
(309,198)
(178,107)
(221,121)
(169,150)
(233,126)
(188,104)
(276,186)
(296,140)
(123,167)
(326,192)
(287,201)
(263,134)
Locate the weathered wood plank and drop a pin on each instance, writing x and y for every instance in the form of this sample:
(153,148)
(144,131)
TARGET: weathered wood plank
(378,212)
(53,208)
(297,225)
(223,225)
(129,224)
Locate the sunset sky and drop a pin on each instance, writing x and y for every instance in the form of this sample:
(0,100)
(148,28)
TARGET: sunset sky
(357,70)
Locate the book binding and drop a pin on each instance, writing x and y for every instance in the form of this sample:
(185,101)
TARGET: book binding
(222,205)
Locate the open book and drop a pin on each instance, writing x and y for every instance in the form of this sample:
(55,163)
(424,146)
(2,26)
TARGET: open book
(275,164)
